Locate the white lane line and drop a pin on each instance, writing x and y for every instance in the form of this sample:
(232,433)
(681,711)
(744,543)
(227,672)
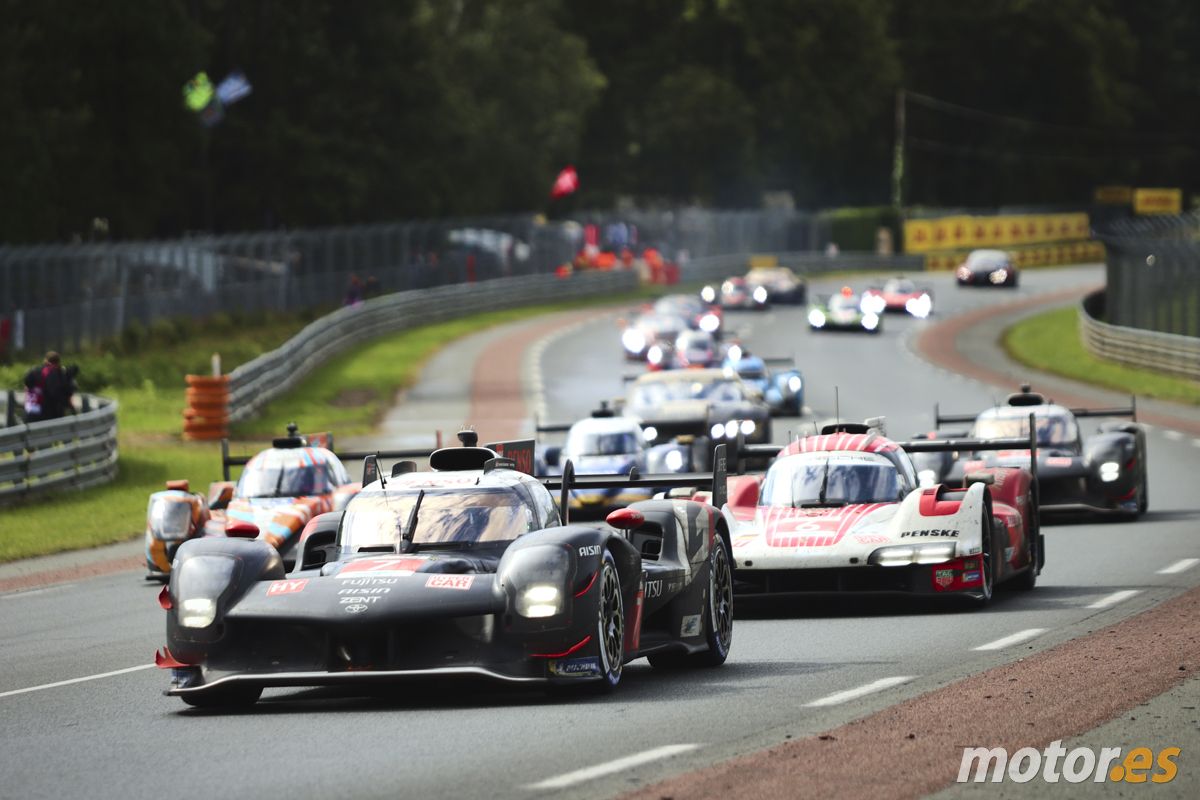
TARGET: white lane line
(852,694)
(609,767)
(1179,566)
(1174,436)
(1008,641)
(1114,598)
(96,677)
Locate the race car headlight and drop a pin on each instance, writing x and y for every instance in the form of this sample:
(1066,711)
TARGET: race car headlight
(872,304)
(197,612)
(199,583)
(794,383)
(633,340)
(674,461)
(717,430)
(870,321)
(533,578)
(760,294)
(654,355)
(539,600)
(708,294)
(816,318)
(731,429)
(919,307)
(734,353)
(998,276)
(747,427)
(902,555)
(649,433)
(1110,471)
(964,273)
(927,478)
(709,323)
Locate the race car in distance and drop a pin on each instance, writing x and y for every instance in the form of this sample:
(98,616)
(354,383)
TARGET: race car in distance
(1105,474)
(700,403)
(844,311)
(604,444)
(899,294)
(690,349)
(782,389)
(279,491)
(700,316)
(470,569)
(736,293)
(988,268)
(842,512)
(783,286)
(650,328)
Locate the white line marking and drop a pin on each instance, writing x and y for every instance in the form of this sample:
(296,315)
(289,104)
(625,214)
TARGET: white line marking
(1008,641)
(609,767)
(852,694)
(1195,442)
(96,677)
(1174,436)
(1114,598)
(1179,566)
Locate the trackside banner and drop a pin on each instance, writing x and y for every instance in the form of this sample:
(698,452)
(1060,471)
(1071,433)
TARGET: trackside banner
(968,232)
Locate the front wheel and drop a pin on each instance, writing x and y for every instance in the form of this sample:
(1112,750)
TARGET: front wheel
(610,625)
(984,595)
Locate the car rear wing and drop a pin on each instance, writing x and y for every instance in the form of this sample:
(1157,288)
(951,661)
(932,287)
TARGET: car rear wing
(228,461)
(780,361)
(965,445)
(568,481)
(1123,411)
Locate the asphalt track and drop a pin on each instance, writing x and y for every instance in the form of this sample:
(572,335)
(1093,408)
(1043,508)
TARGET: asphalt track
(797,667)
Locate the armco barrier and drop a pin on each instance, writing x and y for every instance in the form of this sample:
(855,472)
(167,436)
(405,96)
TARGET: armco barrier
(257,382)
(1136,347)
(74,452)
(714,268)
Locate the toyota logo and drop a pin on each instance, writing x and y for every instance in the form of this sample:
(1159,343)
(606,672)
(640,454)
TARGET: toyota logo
(357,608)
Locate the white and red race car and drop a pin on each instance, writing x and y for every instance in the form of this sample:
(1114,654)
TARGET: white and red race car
(843,511)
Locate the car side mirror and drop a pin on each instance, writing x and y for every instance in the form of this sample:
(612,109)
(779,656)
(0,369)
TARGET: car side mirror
(552,456)
(219,495)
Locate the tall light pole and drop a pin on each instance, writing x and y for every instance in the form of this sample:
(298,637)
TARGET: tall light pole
(898,154)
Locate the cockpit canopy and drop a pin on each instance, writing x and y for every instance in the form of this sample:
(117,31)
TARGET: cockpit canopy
(837,478)
(448,516)
(292,472)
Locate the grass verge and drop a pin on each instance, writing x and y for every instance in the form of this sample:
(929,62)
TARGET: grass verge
(1050,342)
(346,396)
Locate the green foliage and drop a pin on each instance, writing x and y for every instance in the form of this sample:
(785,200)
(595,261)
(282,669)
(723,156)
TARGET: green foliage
(857,228)
(1050,342)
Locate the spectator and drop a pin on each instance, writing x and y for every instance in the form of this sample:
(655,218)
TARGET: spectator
(48,389)
(354,293)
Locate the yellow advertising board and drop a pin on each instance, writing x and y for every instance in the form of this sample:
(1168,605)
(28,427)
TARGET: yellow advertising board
(1011,230)
(1158,201)
(918,235)
(1114,195)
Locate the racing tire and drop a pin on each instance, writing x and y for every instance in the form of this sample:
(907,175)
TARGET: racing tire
(1027,579)
(718,617)
(1143,500)
(609,635)
(987,567)
(225,697)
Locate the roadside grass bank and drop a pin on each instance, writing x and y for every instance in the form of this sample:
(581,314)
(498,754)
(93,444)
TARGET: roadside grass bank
(346,396)
(1050,342)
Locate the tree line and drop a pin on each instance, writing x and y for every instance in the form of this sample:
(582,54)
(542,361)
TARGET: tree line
(378,110)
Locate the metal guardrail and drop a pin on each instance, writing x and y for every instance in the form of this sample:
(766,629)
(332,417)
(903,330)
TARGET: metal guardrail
(75,452)
(257,382)
(1137,347)
(713,268)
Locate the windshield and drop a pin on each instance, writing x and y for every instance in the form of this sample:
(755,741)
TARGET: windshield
(985,259)
(752,372)
(603,444)
(852,478)
(447,516)
(900,287)
(1056,429)
(683,306)
(694,341)
(655,392)
(662,323)
(169,515)
(270,478)
(841,302)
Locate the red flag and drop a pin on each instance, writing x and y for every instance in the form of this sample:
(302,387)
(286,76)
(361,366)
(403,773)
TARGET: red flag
(566,183)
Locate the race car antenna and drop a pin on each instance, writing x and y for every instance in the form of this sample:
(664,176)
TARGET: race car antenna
(837,413)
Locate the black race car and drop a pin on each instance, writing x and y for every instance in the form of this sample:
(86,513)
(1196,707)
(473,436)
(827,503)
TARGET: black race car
(1104,474)
(470,569)
(988,268)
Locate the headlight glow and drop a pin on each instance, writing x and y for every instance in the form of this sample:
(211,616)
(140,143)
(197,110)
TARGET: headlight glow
(708,294)
(197,612)
(870,321)
(1110,471)
(709,323)
(794,383)
(731,429)
(872,304)
(674,461)
(717,431)
(998,276)
(734,353)
(654,355)
(816,318)
(919,307)
(633,340)
(760,294)
(650,433)
(932,553)
(747,427)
